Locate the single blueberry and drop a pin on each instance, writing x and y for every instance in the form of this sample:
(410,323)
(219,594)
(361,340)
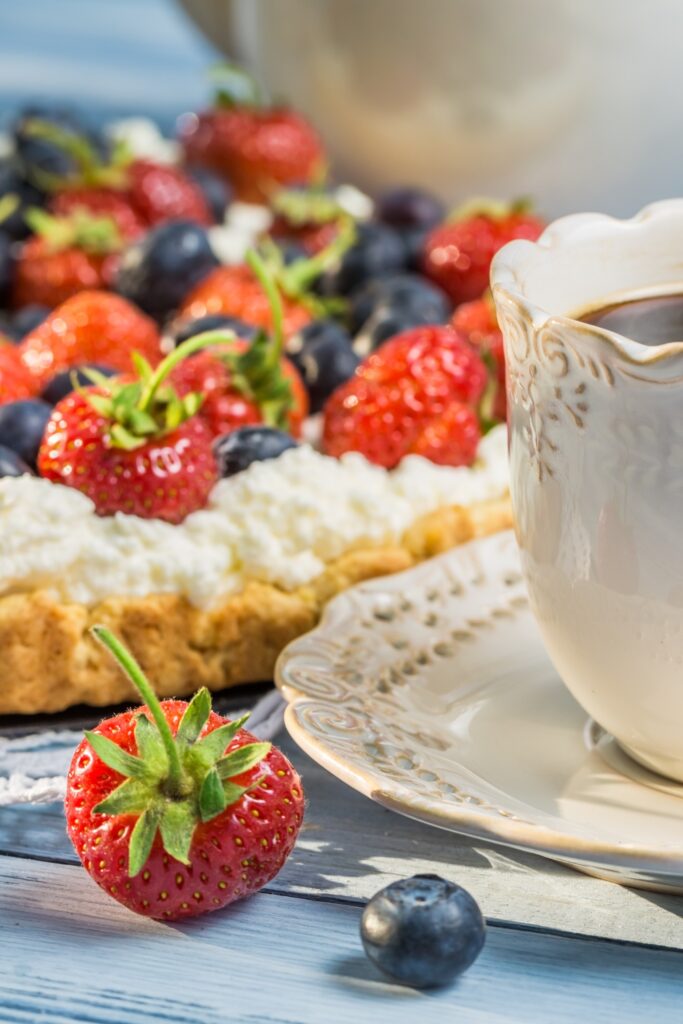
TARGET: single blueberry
(158,271)
(22,425)
(11,464)
(237,450)
(407,206)
(414,239)
(12,182)
(402,291)
(216,191)
(6,268)
(423,931)
(324,357)
(214,322)
(38,156)
(378,249)
(62,384)
(27,319)
(384,324)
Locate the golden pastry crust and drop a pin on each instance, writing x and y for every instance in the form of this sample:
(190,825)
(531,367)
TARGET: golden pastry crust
(49,661)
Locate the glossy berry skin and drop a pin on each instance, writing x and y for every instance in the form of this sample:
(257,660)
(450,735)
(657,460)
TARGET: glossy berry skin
(231,856)
(61,385)
(216,191)
(323,355)
(13,182)
(457,255)
(46,277)
(423,931)
(15,380)
(7,268)
(160,192)
(166,478)
(22,425)
(36,154)
(408,207)
(235,291)
(399,390)
(100,202)
(11,464)
(91,327)
(23,321)
(450,439)
(254,149)
(189,328)
(384,324)
(377,250)
(158,270)
(402,291)
(236,451)
(477,322)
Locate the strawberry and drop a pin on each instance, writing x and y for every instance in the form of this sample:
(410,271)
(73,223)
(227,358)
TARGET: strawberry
(91,327)
(407,384)
(175,811)
(477,322)
(255,148)
(457,254)
(15,380)
(65,256)
(133,444)
(100,202)
(450,439)
(248,382)
(308,216)
(159,193)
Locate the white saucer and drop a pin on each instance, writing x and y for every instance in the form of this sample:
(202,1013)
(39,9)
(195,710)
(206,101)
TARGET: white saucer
(431,693)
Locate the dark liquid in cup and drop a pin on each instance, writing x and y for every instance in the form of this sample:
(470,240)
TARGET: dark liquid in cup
(653,321)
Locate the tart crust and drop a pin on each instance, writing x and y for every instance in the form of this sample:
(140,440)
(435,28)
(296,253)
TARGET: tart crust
(49,662)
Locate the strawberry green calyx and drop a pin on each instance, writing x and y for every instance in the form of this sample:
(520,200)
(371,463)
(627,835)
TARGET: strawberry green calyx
(234,87)
(492,209)
(91,171)
(173,783)
(307,206)
(8,205)
(147,407)
(81,230)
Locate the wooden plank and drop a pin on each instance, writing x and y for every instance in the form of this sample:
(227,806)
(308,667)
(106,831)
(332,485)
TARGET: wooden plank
(350,848)
(70,954)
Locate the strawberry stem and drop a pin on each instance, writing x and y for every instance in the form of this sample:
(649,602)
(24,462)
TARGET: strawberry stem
(137,677)
(199,341)
(267,282)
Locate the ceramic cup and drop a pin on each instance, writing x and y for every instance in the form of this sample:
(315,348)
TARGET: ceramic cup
(596,457)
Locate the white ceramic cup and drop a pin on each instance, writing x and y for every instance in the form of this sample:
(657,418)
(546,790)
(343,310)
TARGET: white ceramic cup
(596,454)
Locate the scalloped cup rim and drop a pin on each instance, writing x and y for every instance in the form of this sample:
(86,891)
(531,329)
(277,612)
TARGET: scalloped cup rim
(509,263)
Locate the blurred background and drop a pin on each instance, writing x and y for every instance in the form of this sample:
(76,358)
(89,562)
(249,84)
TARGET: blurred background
(574,101)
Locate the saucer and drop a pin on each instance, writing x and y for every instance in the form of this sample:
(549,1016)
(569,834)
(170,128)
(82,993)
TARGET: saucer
(431,693)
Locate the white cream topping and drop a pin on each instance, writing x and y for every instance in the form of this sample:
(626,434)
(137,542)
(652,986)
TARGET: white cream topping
(279,521)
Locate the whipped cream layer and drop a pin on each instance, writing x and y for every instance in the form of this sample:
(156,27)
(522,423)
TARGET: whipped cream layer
(279,521)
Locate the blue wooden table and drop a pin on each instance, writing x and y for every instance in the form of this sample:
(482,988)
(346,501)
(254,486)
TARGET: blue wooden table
(561,947)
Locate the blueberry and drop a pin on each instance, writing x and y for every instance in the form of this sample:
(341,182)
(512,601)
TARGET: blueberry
(405,291)
(323,355)
(38,156)
(22,425)
(414,239)
(61,384)
(27,319)
(378,249)
(410,207)
(216,191)
(6,268)
(237,450)
(214,322)
(157,272)
(11,464)
(422,931)
(13,183)
(385,323)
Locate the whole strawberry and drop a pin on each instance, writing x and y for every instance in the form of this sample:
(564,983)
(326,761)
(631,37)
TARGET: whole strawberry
(457,254)
(90,327)
(65,256)
(309,217)
(133,444)
(175,811)
(15,380)
(408,384)
(100,202)
(245,383)
(255,148)
(159,192)
(477,322)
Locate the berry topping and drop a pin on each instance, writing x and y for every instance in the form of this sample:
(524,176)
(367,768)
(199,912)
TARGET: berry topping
(159,270)
(24,195)
(216,191)
(406,207)
(323,355)
(217,321)
(405,292)
(17,325)
(22,425)
(133,444)
(11,464)
(478,323)
(15,379)
(236,451)
(62,384)
(377,250)
(176,811)
(399,390)
(423,931)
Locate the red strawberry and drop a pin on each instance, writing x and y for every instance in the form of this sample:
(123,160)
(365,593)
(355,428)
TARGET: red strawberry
(400,389)
(308,216)
(64,257)
(175,811)
(159,192)
(100,202)
(91,327)
(254,147)
(457,254)
(248,382)
(15,380)
(133,445)
(450,439)
(477,321)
